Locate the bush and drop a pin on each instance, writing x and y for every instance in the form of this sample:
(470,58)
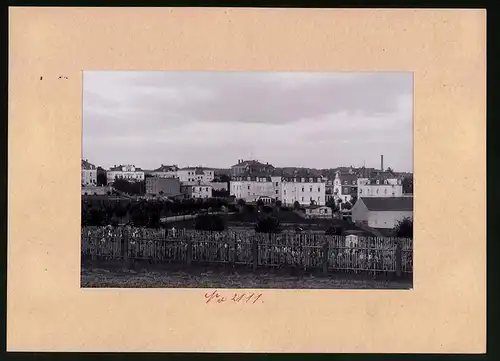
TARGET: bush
(404,228)
(334,231)
(209,222)
(267,209)
(268,224)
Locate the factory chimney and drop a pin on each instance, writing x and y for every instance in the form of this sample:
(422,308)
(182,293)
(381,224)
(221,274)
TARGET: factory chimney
(382,162)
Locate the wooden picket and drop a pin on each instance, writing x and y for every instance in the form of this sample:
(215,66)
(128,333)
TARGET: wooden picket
(308,251)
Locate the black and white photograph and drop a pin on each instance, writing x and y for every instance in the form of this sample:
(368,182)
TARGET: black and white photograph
(251,180)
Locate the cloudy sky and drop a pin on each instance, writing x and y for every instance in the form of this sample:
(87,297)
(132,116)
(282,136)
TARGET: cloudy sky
(315,120)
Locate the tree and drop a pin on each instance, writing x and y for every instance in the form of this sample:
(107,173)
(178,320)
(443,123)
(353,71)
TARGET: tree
(404,228)
(241,202)
(209,222)
(260,203)
(333,205)
(407,183)
(268,224)
(101,177)
(267,209)
(334,231)
(296,205)
(279,203)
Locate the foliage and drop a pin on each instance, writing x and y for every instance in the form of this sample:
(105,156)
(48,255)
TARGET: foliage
(101,177)
(260,203)
(241,202)
(296,205)
(334,231)
(279,203)
(268,224)
(407,183)
(333,205)
(133,188)
(267,209)
(209,222)
(404,228)
(142,212)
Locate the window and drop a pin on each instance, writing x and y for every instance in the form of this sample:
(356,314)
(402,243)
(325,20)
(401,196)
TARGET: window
(277,191)
(360,191)
(385,191)
(302,189)
(377,191)
(319,198)
(353,182)
(248,187)
(302,199)
(303,180)
(310,189)
(277,184)
(378,182)
(284,192)
(319,189)
(345,182)
(206,189)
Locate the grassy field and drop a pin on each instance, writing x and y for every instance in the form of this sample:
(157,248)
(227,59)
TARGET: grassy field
(288,219)
(92,277)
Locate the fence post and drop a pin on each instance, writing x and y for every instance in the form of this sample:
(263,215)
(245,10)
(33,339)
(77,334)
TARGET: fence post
(398,258)
(325,255)
(255,253)
(125,242)
(189,251)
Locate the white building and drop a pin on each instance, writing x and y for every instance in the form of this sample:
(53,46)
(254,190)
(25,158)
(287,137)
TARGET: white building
(165,171)
(251,187)
(195,174)
(127,172)
(197,190)
(382,212)
(382,185)
(89,173)
(345,186)
(318,212)
(305,189)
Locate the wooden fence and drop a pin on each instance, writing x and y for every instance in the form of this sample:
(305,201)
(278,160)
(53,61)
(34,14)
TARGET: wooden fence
(307,251)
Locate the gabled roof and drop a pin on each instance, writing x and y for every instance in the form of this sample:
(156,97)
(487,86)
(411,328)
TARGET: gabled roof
(251,163)
(167,168)
(87,165)
(388,203)
(119,168)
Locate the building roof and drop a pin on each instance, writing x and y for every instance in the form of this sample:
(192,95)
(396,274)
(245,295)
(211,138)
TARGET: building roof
(119,168)
(87,165)
(388,203)
(245,163)
(167,168)
(347,177)
(196,169)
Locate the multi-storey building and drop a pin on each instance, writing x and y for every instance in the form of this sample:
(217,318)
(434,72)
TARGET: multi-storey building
(383,184)
(166,186)
(89,173)
(197,190)
(195,174)
(244,167)
(165,171)
(127,172)
(345,186)
(253,186)
(306,189)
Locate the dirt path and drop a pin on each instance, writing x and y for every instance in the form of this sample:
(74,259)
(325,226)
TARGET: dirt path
(98,277)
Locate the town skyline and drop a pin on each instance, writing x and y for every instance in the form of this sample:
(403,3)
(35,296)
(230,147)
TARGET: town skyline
(208,166)
(289,119)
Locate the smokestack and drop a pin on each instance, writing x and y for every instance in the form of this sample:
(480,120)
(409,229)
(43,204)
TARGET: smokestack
(382,162)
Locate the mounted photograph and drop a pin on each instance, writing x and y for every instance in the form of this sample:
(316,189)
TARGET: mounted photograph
(251,180)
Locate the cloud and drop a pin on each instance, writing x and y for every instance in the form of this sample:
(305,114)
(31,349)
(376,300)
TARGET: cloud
(215,118)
